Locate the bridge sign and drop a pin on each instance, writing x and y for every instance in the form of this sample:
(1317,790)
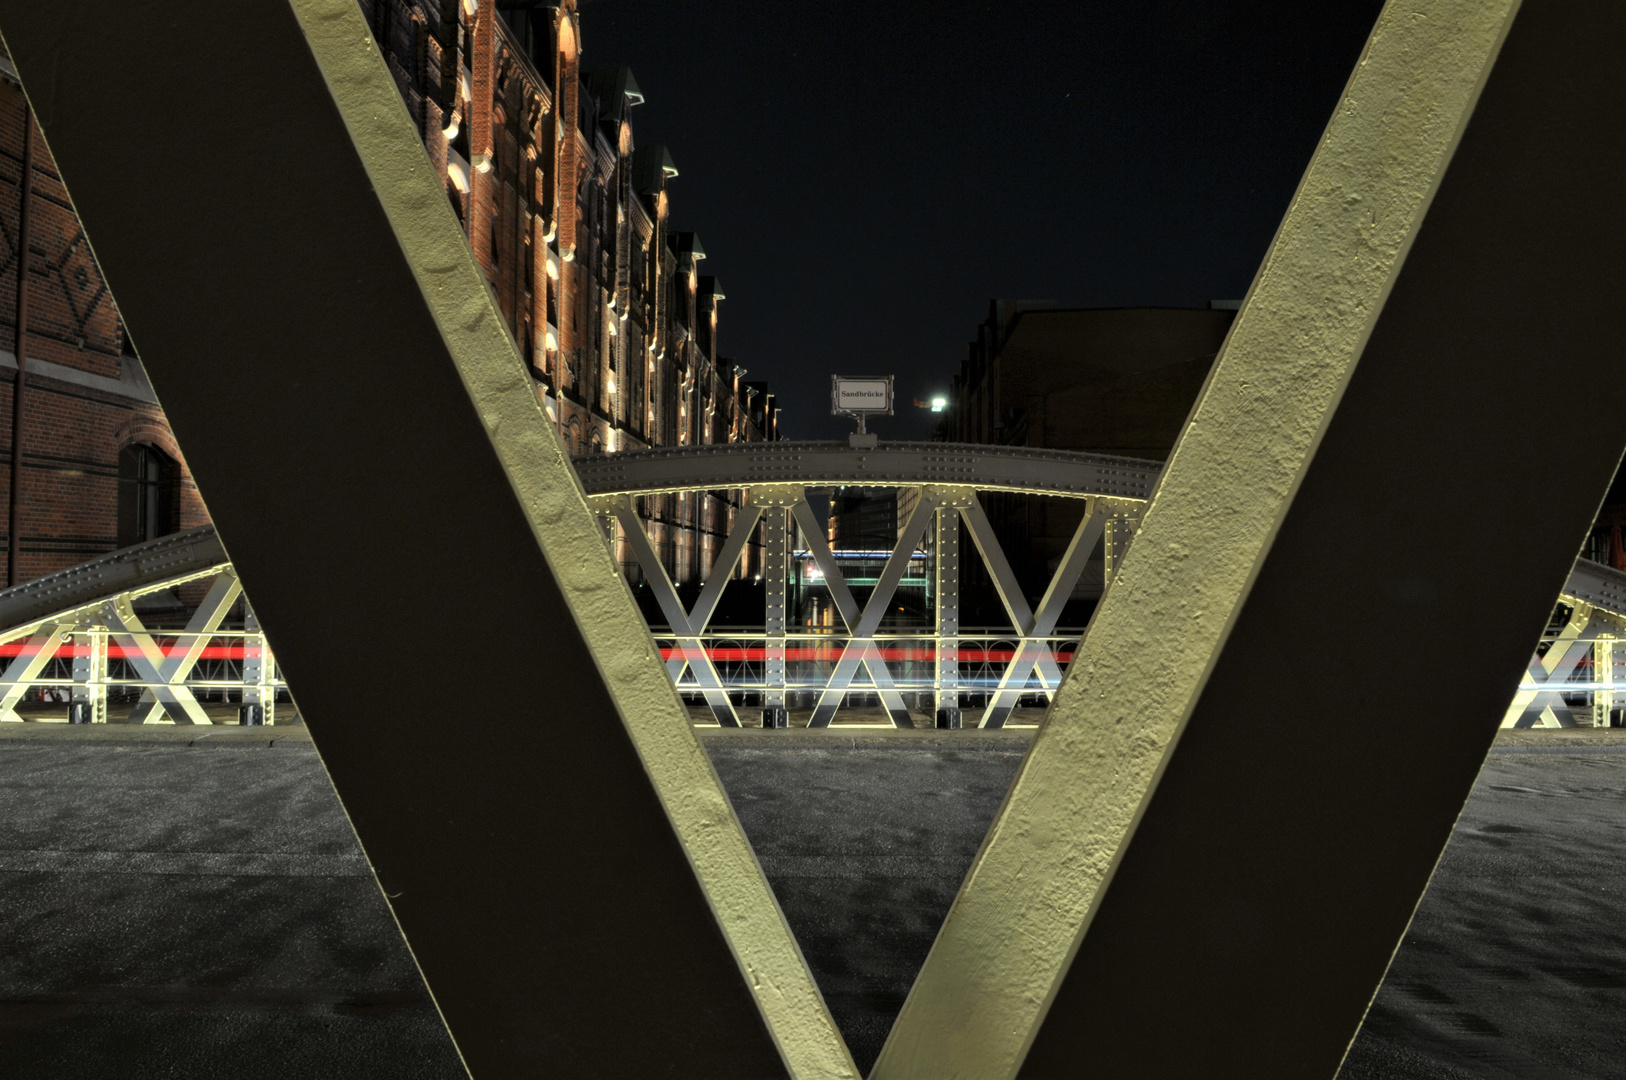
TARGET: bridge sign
(860,396)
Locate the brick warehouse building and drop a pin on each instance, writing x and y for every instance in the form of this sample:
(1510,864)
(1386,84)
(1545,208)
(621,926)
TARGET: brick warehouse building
(605,302)
(98,467)
(571,222)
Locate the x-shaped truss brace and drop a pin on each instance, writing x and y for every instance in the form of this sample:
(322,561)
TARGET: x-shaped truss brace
(1033,626)
(1552,671)
(861,647)
(169,671)
(688,626)
(36,652)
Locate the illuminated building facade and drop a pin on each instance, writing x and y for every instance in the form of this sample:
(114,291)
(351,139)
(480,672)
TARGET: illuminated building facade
(566,216)
(570,220)
(93,465)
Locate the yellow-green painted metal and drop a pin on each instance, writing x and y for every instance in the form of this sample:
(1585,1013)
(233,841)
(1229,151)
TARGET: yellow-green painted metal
(546,488)
(1039,879)
(347,383)
(529,448)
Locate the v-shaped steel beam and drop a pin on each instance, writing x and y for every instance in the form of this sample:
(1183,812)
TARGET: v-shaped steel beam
(575,890)
(1209,856)
(1178,835)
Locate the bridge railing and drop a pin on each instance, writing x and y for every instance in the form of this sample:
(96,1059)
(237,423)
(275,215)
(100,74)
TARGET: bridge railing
(914,660)
(99,657)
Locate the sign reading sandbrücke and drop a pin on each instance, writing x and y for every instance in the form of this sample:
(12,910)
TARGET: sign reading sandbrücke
(853,395)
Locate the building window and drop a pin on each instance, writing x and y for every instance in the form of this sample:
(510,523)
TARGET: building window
(420,70)
(148,479)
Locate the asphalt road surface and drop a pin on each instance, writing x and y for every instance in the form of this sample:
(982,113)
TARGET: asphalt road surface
(182,912)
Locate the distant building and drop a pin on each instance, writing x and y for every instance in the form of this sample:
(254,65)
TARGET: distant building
(1106,380)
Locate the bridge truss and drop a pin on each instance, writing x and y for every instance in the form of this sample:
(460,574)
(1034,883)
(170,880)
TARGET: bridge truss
(856,656)
(75,636)
(946,662)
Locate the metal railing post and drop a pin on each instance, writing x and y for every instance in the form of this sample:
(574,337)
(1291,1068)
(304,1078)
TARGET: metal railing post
(89,701)
(259,698)
(946,675)
(1603,674)
(775,573)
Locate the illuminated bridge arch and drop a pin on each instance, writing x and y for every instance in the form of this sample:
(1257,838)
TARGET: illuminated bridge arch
(854,656)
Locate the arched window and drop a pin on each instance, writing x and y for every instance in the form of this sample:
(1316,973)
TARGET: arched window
(147,504)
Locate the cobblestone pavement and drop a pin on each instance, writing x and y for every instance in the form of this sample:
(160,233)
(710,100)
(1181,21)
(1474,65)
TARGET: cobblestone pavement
(173,911)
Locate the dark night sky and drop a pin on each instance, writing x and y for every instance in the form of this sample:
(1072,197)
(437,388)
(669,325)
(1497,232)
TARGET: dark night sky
(865,178)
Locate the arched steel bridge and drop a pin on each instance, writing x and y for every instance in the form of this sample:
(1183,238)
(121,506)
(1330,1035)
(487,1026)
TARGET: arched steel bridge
(75,634)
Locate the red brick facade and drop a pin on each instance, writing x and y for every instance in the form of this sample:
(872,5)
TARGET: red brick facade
(569,220)
(566,217)
(85,399)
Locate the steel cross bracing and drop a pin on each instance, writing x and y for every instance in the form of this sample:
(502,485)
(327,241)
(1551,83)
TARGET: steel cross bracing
(1032,666)
(73,617)
(100,631)
(1579,658)
(777,476)
(689,625)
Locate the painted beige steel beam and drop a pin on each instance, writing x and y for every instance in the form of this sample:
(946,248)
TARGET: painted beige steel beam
(1216,844)
(549,834)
